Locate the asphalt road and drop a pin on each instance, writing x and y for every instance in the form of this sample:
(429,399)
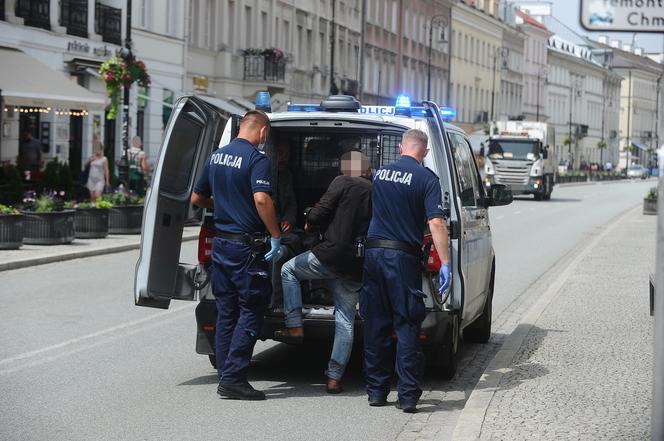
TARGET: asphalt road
(79,361)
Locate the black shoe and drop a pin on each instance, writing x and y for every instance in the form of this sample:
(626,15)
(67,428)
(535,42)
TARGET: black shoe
(240,392)
(407,408)
(377,402)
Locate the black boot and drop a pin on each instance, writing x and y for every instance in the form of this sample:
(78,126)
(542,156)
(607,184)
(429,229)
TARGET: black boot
(240,392)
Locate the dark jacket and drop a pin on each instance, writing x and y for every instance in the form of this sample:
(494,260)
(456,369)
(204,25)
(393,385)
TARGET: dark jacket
(343,214)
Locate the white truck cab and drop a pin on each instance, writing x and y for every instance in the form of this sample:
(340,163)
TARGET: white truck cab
(316,136)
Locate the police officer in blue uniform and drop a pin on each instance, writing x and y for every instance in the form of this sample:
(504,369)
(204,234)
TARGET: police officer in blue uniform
(236,182)
(404,195)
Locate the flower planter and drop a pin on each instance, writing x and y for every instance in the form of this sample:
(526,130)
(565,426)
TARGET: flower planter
(125,219)
(649,206)
(11,231)
(91,223)
(52,228)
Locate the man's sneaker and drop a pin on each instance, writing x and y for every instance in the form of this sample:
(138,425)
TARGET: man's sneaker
(407,408)
(240,392)
(377,402)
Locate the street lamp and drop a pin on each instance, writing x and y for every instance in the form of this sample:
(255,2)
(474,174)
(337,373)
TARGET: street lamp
(542,72)
(501,52)
(128,57)
(574,85)
(441,21)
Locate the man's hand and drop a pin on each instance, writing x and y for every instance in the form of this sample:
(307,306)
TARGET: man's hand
(286,227)
(275,249)
(445,278)
(201,201)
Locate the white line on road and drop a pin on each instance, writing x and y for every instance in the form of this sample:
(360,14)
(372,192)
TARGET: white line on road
(517,212)
(97,334)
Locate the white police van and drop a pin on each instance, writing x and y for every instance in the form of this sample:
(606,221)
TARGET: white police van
(316,136)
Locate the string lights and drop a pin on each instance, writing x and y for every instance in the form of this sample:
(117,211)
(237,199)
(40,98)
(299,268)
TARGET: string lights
(58,112)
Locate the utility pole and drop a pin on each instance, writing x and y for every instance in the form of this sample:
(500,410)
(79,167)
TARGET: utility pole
(569,138)
(128,58)
(333,36)
(363,28)
(440,18)
(604,92)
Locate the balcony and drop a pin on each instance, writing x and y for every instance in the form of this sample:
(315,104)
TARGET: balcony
(108,23)
(74,17)
(35,13)
(264,68)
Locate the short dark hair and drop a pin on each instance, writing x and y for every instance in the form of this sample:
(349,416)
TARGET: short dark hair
(255,118)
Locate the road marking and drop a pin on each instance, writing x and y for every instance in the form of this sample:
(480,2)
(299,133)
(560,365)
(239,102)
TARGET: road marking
(500,217)
(517,212)
(97,334)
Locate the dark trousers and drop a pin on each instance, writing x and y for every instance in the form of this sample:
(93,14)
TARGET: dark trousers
(242,288)
(392,300)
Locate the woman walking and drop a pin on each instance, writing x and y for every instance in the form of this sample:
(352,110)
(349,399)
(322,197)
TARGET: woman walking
(98,177)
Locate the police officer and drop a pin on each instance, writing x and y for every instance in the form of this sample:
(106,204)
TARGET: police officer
(236,182)
(404,195)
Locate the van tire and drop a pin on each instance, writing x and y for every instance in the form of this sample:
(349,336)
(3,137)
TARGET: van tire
(480,330)
(443,358)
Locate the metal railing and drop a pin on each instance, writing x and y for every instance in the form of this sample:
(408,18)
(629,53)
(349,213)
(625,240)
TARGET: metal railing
(35,13)
(74,16)
(264,68)
(108,23)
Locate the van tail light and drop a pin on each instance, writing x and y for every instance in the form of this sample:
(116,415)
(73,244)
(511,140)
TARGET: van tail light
(433,261)
(205,241)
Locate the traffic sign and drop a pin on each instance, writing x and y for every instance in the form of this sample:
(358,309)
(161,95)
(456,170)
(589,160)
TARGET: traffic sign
(623,15)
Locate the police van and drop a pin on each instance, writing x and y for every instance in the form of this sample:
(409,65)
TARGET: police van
(316,136)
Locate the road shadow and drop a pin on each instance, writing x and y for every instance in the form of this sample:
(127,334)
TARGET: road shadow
(553,199)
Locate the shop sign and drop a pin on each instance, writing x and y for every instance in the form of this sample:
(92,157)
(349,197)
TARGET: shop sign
(623,15)
(85,48)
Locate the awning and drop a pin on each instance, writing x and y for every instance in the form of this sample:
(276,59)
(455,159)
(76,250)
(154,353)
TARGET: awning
(25,81)
(223,105)
(242,102)
(640,146)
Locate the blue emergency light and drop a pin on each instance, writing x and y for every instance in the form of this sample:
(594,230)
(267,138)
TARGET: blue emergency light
(448,113)
(402,106)
(263,101)
(304,108)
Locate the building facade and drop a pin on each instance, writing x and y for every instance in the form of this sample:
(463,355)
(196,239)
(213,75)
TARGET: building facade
(535,67)
(71,39)
(582,100)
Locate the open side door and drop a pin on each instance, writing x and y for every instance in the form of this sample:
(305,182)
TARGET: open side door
(193,130)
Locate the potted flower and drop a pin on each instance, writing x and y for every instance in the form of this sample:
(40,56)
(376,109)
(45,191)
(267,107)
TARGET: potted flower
(91,219)
(126,214)
(650,202)
(117,73)
(46,221)
(11,228)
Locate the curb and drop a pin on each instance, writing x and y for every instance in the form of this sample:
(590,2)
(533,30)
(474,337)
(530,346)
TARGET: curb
(617,181)
(470,422)
(34,261)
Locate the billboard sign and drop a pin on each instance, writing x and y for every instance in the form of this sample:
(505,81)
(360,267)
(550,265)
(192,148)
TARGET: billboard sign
(623,15)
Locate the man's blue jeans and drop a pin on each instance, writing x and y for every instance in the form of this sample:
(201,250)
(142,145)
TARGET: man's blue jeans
(307,267)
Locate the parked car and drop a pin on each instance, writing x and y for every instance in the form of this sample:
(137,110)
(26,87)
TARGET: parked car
(637,171)
(317,135)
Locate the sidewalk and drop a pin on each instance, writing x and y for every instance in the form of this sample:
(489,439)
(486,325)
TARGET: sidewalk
(30,255)
(579,366)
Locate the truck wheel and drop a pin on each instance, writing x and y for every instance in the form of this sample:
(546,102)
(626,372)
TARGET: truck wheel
(213,360)
(443,357)
(480,330)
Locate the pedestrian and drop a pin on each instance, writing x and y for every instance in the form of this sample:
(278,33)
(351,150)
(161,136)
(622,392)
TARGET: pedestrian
(138,166)
(391,300)
(30,155)
(342,214)
(98,176)
(236,182)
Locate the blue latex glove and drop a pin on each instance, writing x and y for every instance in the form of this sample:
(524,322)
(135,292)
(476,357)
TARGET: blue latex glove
(445,278)
(275,249)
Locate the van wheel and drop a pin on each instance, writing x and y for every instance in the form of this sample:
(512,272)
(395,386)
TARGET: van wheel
(443,358)
(480,330)
(213,360)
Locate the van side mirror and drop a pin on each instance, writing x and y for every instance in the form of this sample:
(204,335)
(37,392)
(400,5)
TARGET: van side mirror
(498,195)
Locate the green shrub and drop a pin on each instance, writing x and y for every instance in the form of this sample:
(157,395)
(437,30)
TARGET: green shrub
(45,203)
(11,185)
(4,209)
(652,194)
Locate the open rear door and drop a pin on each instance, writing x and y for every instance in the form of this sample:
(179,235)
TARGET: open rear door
(194,129)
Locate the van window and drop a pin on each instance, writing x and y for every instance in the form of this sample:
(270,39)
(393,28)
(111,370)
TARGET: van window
(180,152)
(390,148)
(468,178)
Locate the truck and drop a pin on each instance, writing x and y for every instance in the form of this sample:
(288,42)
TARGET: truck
(317,136)
(520,156)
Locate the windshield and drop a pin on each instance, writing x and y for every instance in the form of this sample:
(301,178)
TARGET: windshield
(513,149)
(636,167)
